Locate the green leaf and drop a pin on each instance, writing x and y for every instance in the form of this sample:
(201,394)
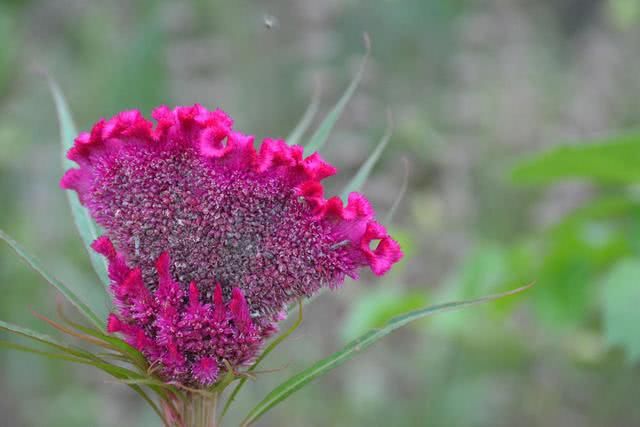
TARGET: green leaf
(264,354)
(131,354)
(65,291)
(361,176)
(303,125)
(572,258)
(125,375)
(44,339)
(610,160)
(621,294)
(608,208)
(81,356)
(319,138)
(296,382)
(47,354)
(85,225)
(375,309)
(77,355)
(403,190)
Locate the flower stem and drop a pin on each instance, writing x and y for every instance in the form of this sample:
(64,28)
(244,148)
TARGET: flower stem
(199,410)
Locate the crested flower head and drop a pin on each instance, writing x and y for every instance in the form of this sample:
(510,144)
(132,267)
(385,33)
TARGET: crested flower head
(208,240)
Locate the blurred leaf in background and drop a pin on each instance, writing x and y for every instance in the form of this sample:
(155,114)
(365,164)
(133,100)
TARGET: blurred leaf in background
(621,294)
(610,160)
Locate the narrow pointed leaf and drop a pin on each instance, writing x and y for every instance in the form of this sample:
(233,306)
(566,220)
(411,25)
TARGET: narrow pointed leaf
(610,160)
(303,125)
(151,403)
(80,355)
(321,367)
(319,138)
(85,225)
(44,339)
(64,290)
(361,176)
(118,344)
(264,354)
(403,190)
(123,377)
(76,356)
(47,354)
(83,356)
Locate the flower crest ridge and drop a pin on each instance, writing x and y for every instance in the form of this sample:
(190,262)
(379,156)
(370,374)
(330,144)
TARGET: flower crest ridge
(209,239)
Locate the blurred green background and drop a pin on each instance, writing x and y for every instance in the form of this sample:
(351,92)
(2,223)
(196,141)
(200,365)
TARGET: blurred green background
(477,88)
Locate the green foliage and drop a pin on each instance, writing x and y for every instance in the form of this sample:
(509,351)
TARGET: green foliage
(72,353)
(611,160)
(608,209)
(363,173)
(283,336)
(587,242)
(321,135)
(9,47)
(296,382)
(305,122)
(621,296)
(377,307)
(625,13)
(573,257)
(84,223)
(487,268)
(82,307)
(401,194)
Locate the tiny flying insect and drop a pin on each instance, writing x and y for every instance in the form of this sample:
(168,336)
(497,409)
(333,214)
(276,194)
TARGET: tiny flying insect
(270,21)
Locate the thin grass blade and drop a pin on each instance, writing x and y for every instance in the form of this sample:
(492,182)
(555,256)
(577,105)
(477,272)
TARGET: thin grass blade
(301,379)
(319,138)
(363,173)
(303,125)
(403,190)
(264,354)
(64,290)
(47,354)
(76,356)
(44,339)
(123,377)
(85,225)
(130,353)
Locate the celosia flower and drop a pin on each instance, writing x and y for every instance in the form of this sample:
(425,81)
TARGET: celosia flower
(208,240)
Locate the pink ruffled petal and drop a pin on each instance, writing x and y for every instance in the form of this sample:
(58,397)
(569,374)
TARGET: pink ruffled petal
(247,231)
(385,254)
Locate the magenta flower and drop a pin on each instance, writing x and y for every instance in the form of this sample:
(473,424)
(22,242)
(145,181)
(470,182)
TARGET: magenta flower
(209,240)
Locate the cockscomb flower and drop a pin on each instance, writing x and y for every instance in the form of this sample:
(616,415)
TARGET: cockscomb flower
(208,239)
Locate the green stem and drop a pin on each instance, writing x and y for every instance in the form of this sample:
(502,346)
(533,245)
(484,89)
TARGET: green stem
(199,410)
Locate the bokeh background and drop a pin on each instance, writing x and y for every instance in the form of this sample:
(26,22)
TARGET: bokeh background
(474,86)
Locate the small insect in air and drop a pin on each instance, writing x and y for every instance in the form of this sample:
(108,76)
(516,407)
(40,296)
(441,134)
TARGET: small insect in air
(270,21)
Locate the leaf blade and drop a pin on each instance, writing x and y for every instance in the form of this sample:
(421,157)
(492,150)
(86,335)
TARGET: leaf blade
(620,313)
(609,160)
(84,224)
(303,125)
(264,354)
(58,285)
(320,136)
(401,193)
(47,354)
(364,171)
(43,338)
(294,383)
